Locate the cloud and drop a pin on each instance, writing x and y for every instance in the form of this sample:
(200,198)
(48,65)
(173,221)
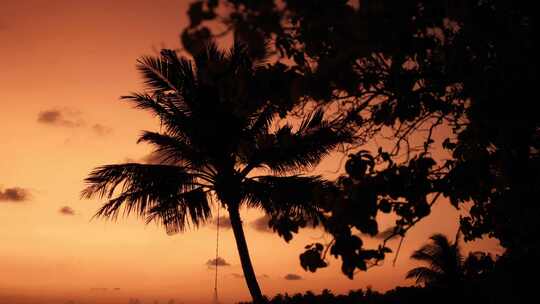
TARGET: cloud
(70,119)
(59,118)
(220,262)
(101,130)
(14,194)
(292,277)
(66,210)
(261,224)
(224,222)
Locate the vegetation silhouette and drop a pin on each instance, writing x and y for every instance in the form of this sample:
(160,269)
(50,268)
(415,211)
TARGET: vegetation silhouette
(217,128)
(398,295)
(446,85)
(447,278)
(445,263)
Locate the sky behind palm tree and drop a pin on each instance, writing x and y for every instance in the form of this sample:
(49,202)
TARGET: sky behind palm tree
(64,66)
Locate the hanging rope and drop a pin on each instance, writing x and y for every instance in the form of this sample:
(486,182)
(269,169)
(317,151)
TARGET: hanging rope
(216,260)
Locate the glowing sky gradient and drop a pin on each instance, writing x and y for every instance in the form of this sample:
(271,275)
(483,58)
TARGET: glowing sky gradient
(63,65)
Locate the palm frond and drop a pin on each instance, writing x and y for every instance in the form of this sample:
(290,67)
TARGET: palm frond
(159,75)
(443,258)
(174,149)
(441,241)
(185,75)
(448,256)
(291,202)
(423,275)
(174,214)
(142,188)
(304,148)
(262,56)
(427,253)
(314,120)
(170,80)
(296,196)
(263,120)
(173,116)
(239,57)
(210,62)
(144,101)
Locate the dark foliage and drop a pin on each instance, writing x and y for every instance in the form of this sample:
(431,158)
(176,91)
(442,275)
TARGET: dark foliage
(399,295)
(449,85)
(444,263)
(447,278)
(217,127)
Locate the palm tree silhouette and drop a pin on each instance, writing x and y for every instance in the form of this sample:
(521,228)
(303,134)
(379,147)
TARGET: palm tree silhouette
(216,130)
(445,263)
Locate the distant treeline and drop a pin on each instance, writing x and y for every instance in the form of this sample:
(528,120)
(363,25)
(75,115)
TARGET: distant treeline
(406,295)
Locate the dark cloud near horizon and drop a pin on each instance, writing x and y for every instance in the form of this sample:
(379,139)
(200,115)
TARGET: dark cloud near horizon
(70,119)
(101,130)
(14,194)
(58,118)
(66,210)
(261,224)
(220,262)
(293,277)
(224,222)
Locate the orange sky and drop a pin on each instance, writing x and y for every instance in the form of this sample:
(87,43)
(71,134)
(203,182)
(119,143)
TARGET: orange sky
(63,65)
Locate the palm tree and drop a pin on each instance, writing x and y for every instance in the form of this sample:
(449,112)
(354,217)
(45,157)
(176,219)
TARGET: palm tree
(218,126)
(445,263)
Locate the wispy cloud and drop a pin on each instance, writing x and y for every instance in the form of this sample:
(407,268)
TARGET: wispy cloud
(217,261)
(14,194)
(69,118)
(293,277)
(261,224)
(61,118)
(101,130)
(224,222)
(66,210)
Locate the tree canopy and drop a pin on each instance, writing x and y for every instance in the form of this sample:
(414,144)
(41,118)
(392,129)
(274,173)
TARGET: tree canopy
(217,128)
(450,86)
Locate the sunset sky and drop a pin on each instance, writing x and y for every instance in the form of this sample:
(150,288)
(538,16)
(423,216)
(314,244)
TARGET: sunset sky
(63,66)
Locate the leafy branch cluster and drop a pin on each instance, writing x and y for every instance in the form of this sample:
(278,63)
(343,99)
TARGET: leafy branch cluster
(438,93)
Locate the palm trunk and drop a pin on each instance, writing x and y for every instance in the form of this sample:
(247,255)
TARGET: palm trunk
(249,274)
